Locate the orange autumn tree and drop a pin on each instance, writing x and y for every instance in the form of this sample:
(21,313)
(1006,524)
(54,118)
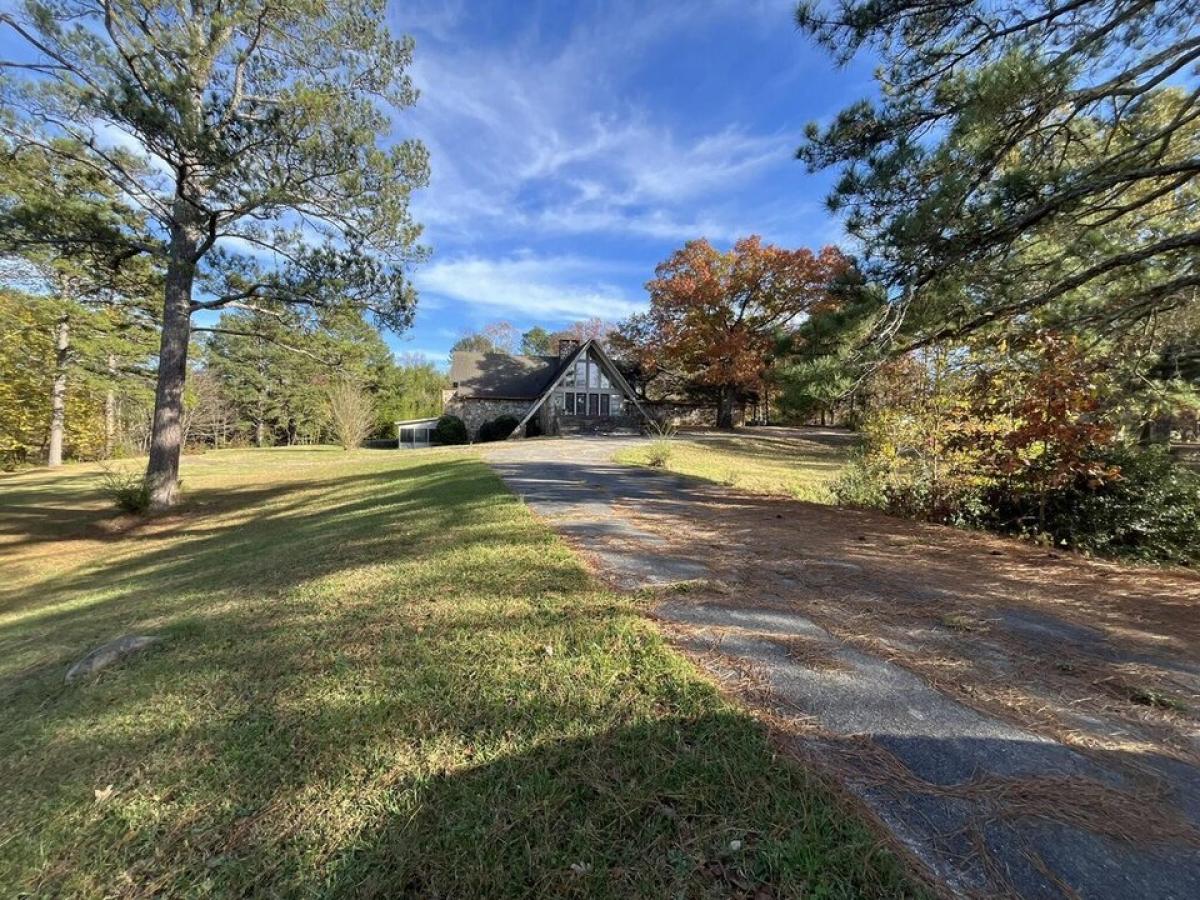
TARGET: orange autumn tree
(714,315)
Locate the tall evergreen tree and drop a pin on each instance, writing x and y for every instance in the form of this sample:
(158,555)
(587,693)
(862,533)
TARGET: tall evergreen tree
(255,134)
(1019,155)
(273,365)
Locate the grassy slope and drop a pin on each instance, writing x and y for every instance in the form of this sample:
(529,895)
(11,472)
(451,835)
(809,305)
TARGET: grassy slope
(756,463)
(382,675)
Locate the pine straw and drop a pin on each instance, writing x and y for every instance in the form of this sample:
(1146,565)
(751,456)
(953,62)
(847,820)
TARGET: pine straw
(1046,695)
(1140,817)
(809,652)
(1143,815)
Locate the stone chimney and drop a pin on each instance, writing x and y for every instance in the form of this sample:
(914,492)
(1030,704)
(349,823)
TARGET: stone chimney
(567,346)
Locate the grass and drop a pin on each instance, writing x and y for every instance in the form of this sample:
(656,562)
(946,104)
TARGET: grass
(380,676)
(755,461)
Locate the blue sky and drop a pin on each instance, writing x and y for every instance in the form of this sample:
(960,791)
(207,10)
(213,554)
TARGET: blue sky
(574,145)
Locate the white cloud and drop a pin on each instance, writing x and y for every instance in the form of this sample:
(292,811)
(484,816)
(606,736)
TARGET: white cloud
(525,137)
(110,135)
(544,288)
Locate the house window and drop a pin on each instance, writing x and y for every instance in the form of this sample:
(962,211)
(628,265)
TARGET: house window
(593,404)
(604,385)
(580,373)
(415,436)
(604,401)
(593,375)
(569,378)
(570,396)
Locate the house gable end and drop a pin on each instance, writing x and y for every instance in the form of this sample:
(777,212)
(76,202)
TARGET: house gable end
(587,350)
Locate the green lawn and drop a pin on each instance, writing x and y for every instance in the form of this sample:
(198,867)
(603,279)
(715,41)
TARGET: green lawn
(757,461)
(381,677)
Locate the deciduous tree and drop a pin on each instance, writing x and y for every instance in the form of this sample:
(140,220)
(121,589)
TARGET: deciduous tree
(536,341)
(98,298)
(351,412)
(714,315)
(593,329)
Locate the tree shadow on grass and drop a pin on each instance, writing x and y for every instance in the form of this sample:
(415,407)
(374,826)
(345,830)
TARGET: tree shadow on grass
(360,674)
(270,544)
(433,775)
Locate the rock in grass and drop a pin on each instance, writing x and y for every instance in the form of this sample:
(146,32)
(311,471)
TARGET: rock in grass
(107,654)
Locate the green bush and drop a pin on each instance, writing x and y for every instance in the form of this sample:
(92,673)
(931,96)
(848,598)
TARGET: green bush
(1150,511)
(449,430)
(861,483)
(949,490)
(128,491)
(498,429)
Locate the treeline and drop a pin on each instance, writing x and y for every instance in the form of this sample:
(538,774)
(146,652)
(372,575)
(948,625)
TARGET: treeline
(81,376)
(504,337)
(75,382)
(264,379)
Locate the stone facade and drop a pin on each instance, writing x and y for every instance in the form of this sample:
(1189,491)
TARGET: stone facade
(690,415)
(474,411)
(554,423)
(587,397)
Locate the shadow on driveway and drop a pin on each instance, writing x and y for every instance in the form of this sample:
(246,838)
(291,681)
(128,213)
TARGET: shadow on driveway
(1021,721)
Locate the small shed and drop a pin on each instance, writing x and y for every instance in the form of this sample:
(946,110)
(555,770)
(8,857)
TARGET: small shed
(415,432)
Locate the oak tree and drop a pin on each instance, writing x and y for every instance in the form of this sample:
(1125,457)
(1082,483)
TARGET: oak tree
(714,315)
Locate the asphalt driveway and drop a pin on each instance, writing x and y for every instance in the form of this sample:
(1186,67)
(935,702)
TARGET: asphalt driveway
(1021,722)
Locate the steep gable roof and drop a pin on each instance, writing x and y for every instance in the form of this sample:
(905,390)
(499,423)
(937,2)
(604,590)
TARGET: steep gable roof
(502,376)
(588,346)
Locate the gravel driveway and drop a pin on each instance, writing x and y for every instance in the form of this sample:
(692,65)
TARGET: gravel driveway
(1022,722)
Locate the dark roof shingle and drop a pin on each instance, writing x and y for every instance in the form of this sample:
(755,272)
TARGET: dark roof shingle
(502,375)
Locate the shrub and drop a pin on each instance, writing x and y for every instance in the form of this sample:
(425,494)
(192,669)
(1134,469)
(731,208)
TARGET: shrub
(920,462)
(128,491)
(1149,510)
(1023,443)
(449,430)
(658,454)
(498,429)
(351,413)
(860,484)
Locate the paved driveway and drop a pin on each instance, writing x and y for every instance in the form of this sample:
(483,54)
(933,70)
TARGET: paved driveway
(979,697)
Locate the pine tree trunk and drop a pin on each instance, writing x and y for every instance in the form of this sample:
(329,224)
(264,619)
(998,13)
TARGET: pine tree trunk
(58,393)
(725,408)
(110,409)
(162,473)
